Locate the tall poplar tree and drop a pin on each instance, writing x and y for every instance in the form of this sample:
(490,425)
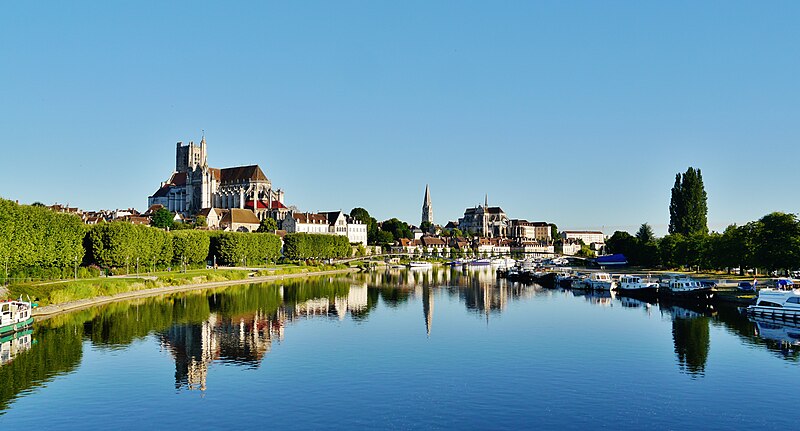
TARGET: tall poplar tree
(688,208)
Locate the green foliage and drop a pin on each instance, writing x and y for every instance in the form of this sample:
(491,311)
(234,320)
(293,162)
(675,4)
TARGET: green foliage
(777,240)
(384,238)
(268,225)
(162,219)
(645,234)
(399,229)
(120,244)
(236,248)
(688,208)
(585,251)
(316,246)
(361,251)
(34,238)
(190,245)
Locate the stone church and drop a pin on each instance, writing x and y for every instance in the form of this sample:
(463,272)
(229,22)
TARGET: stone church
(194,186)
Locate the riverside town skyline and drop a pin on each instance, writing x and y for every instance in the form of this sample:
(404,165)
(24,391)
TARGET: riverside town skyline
(529,103)
(349,215)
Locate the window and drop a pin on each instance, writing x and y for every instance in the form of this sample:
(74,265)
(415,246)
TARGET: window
(769,304)
(794,300)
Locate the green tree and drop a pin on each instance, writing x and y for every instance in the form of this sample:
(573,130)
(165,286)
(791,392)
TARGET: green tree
(553,231)
(399,229)
(778,242)
(162,219)
(267,225)
(384,238)
(688,205)
(426,227)
(200,221)
(645,234)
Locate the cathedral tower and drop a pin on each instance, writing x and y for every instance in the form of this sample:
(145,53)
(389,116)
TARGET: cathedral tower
(427,207)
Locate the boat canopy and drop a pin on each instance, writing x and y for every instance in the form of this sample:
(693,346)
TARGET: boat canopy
(612,259)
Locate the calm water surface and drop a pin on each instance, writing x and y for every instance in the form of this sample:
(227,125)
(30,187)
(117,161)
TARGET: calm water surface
(431,349)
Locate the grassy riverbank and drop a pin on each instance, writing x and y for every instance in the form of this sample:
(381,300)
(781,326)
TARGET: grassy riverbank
(58,292)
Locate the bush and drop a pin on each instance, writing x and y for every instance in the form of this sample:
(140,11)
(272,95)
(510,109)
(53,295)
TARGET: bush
(231,248)
(316,246)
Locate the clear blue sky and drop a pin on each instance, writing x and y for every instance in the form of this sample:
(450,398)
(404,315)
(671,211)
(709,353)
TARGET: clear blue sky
(578,113)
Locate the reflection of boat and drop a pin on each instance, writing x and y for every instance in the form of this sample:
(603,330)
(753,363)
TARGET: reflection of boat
(777,304)
(503,262)
(417,264)
(480,262)
(15,316)
(13,344)
(785,332)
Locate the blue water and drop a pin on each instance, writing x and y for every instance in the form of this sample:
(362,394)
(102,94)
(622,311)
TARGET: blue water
(401,350)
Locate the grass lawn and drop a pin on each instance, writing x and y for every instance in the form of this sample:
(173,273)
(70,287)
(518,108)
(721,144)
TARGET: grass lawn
(50,292)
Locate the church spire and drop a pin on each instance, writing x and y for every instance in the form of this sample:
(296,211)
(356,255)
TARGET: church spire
(427,207)
(486,202)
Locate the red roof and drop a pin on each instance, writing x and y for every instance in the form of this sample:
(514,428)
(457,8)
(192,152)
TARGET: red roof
(264,204)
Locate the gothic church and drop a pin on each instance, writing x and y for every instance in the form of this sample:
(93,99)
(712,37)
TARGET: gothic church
(194,186)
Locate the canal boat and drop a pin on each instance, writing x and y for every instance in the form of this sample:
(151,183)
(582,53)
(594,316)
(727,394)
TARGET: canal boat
(418,264)
(683,286)
(777,304)
(15,316)
(598,281)
(635,284)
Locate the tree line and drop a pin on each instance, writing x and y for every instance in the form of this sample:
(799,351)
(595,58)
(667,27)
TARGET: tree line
(771,243)
(36,242)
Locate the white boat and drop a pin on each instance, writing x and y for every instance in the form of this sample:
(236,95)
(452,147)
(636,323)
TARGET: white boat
(777,304)
(480,262)
(15,316)
(418,264)
(685,286)
(634,284)
(600,281)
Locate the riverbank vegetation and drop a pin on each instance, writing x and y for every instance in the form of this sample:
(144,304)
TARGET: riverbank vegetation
(39,244)
(770,244)
(47,293)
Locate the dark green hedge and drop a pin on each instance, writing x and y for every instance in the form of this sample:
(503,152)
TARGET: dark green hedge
(316,246)
(233,248)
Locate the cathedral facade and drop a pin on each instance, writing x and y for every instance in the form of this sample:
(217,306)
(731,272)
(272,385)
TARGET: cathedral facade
(194,186)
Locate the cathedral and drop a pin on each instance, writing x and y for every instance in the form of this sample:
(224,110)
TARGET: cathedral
(194,186)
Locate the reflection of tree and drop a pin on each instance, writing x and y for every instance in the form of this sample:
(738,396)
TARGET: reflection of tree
(692,341)
(58,350)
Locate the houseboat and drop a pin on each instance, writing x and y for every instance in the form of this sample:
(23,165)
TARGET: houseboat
(683,286)
(15,316)
(599,281)
(777,304)
(635,284)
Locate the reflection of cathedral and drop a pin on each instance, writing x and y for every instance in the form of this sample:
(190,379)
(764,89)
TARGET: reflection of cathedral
(243,339)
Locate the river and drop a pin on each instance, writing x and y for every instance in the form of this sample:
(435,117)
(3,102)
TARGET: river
(400,349)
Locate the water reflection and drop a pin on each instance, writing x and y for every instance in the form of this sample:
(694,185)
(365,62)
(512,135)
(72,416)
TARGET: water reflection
(241,324)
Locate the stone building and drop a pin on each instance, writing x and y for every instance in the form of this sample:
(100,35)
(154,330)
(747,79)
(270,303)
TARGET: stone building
(194,186)
(484,221)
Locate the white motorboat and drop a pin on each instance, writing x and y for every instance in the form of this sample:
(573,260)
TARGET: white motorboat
(635,284)
(777,304)
(600,281)
(419,264)
(686,287)
(504,262)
